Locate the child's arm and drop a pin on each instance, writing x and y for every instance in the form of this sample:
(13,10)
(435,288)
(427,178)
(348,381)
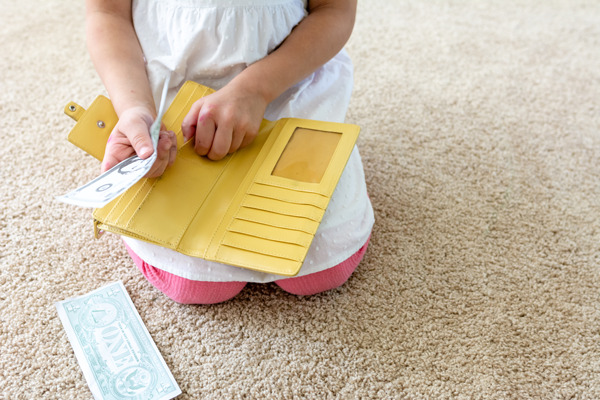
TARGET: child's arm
(118,58)
(229,118)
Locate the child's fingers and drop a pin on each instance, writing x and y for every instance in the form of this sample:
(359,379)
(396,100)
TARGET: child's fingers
(108,161)
(188,125)
(221,142)
(170,140)
(173,142)
(237,138)
(173,151)
(247,139)
(115,151)
(166,143)
(205,134)
(137,133)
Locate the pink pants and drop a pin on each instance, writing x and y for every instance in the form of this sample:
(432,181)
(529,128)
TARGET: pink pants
(188,291)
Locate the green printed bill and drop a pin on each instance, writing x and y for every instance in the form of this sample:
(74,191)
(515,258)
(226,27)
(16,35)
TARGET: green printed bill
(118,357)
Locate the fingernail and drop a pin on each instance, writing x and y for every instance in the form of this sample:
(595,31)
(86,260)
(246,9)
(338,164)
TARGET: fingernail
(145,151)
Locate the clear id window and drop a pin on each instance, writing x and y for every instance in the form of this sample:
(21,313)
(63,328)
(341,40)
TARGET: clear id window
(307,155)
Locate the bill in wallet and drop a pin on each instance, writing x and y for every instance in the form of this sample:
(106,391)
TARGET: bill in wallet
(116,353)
(103,189)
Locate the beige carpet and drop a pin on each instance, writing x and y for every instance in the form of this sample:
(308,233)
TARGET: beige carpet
(481,144)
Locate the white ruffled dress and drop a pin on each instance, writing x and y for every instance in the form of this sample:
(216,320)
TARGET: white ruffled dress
(210,42)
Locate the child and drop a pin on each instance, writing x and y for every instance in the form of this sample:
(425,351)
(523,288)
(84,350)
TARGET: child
(265,58)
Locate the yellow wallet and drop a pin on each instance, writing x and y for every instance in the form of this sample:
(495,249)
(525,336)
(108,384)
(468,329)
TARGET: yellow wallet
(258,208)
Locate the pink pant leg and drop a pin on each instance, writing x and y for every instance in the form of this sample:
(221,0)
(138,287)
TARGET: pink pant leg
(323,280)
(184,290)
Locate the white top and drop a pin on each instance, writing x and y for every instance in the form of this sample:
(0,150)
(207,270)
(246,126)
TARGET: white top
(211,41)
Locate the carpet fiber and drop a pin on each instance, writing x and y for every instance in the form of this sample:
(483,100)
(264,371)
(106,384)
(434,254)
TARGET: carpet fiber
(481,143)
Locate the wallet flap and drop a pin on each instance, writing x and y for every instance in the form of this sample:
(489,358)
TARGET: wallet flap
(93,126)
(74,110)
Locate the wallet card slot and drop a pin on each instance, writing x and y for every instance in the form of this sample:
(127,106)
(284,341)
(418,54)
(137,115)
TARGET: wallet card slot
(217,210)
(256,261)
(282,207)
(277,220)
(287,195)
(270,232)
(264,246)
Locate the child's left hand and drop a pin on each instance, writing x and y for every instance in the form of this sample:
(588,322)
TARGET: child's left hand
(224,121)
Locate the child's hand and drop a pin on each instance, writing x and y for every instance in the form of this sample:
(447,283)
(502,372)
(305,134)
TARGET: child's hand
(131,136)
(224,121)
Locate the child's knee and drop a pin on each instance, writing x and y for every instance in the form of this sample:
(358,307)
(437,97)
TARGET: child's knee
(196,292)
(323,280)
(186,291)
(317,282)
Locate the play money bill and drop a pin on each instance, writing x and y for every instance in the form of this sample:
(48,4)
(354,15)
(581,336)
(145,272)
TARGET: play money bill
(118,357)
(102,190)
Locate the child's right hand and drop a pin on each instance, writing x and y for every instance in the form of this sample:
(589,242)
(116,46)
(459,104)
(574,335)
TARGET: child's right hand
(225,120)
(131,136)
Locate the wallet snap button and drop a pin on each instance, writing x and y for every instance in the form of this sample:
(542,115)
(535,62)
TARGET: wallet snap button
(72,108)
(100,124)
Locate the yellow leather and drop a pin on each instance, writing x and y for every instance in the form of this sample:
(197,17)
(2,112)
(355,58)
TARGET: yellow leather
(93,125)
(243,210)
